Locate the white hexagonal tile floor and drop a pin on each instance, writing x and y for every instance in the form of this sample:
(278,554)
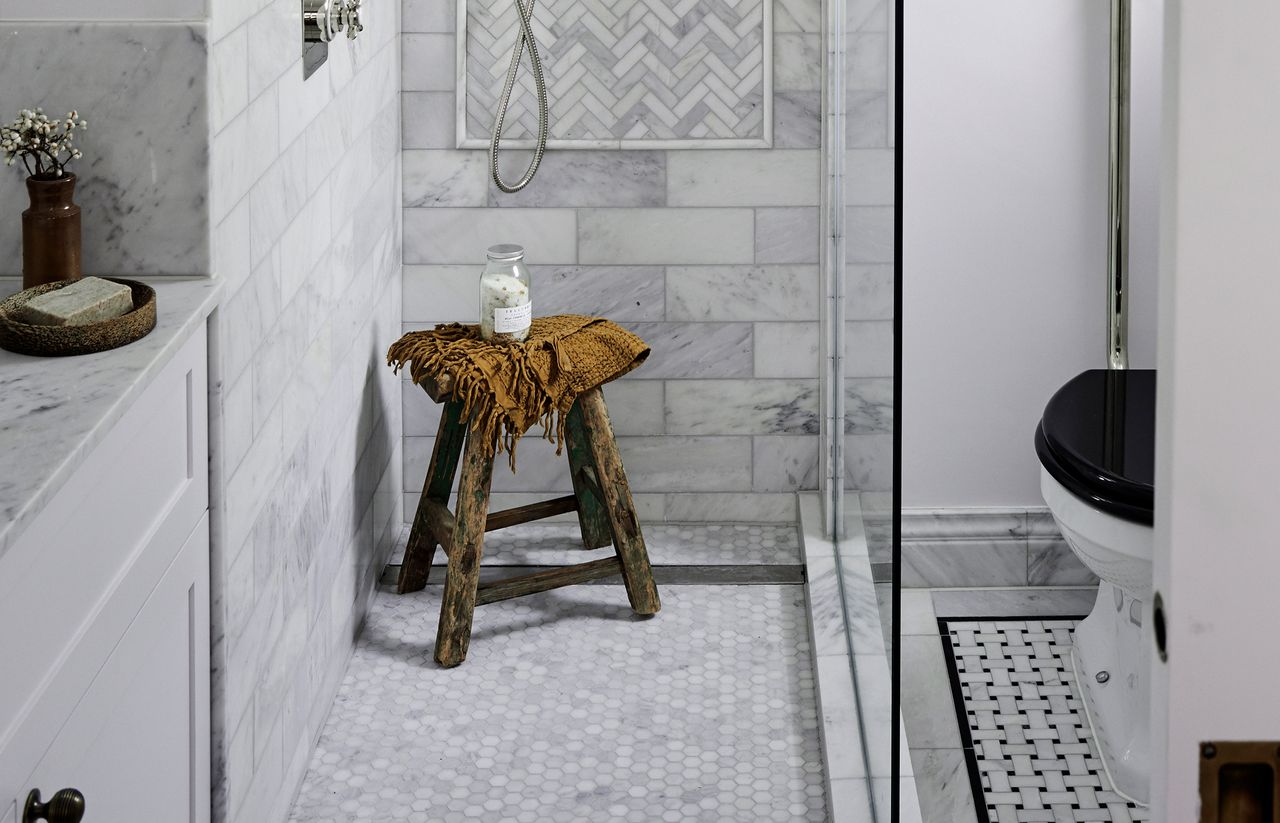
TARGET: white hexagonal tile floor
(571,708)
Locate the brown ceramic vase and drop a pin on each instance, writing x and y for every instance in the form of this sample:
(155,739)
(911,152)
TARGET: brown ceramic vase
(51,232)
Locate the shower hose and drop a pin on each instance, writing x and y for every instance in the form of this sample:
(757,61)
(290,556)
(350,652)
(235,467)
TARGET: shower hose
(526,37)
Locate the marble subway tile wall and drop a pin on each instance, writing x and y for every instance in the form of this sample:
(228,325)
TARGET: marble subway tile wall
(711,254)
(142,184)
(305,204)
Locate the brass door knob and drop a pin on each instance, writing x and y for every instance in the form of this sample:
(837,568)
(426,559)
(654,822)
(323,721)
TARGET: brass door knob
(66,806)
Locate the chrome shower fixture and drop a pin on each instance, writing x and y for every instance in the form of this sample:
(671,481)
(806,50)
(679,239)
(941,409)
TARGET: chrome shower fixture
(523,38)
(322,22)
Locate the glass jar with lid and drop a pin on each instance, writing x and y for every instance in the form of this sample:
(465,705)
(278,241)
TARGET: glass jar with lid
(506,302)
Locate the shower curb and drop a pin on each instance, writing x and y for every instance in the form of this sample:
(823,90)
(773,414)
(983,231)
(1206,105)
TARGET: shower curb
(851,671)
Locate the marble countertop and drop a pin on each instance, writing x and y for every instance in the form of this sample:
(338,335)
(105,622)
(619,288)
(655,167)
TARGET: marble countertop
(54,410)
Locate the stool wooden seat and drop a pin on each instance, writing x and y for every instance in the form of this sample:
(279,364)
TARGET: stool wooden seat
(601,497)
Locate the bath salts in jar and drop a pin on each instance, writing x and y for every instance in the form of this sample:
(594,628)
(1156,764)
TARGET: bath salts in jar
(506,306)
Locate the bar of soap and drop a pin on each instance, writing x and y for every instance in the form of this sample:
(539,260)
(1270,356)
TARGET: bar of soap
(90,300)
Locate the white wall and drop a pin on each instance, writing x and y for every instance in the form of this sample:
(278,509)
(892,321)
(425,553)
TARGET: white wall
(1218,445)
(1005,232)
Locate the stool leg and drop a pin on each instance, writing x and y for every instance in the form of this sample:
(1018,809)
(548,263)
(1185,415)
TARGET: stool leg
(454,633)
(591,514)
(628,542)
(421,549)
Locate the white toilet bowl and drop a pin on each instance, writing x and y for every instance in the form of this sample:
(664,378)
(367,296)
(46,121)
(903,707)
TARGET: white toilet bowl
(1111,653)
(1096,444)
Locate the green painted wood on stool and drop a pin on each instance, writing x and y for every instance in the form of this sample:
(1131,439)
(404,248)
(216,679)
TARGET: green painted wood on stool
(592,519)
(421,548)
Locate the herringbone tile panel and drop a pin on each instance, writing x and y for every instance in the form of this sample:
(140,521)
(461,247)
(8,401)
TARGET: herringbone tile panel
(624,70)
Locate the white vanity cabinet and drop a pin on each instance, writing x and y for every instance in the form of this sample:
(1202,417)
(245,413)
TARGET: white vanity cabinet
(104,618)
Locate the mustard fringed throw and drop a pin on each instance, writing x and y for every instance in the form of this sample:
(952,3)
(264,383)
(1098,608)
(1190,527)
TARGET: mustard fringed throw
(506,386)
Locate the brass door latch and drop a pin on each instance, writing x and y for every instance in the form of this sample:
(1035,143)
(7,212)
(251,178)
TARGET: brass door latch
(1238,781)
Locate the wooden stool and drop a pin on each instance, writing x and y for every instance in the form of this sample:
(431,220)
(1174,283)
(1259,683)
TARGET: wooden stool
(601,497)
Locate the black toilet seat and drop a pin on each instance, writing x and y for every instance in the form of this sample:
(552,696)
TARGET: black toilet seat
(1097,438)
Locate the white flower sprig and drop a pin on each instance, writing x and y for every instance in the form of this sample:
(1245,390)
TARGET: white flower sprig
(44,145)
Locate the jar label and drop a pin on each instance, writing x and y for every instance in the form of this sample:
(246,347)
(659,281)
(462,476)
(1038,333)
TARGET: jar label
(514,319)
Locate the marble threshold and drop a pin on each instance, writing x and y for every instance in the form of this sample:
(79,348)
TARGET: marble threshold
(852,673)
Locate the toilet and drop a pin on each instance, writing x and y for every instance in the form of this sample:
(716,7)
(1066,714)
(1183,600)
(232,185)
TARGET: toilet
(1096,444)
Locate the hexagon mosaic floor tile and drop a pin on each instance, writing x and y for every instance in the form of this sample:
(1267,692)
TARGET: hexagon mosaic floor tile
(571,708)
(669,544)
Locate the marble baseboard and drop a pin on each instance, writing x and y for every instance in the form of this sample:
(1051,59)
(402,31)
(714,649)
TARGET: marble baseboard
(144,192)
(978,547)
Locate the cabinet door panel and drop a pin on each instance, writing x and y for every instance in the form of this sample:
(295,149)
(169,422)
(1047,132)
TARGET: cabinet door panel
(137,742)
(87,561)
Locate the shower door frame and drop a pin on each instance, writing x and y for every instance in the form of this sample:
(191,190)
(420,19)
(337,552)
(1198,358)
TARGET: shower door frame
(833,264)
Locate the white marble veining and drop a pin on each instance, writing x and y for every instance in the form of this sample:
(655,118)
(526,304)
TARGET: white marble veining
(868,118)
(721,293)
(787,350)
(453,235)
(784,463)
(788,235)
(743,407)
(868,348)
(666,235)
(587,179)
(445,178)
(797,119)
(868,462)
(428,119)
(797,15)
(868,405)
(695,350)
(620,293)
(869,234)
(873,171)
(757,177)
(54,410)
(869,292)
(143,190)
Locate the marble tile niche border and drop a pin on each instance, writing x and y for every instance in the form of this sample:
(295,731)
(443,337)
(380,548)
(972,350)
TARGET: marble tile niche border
(618,103)
(852,675)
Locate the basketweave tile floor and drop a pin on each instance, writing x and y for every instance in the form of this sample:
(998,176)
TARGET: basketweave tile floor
(937,745)
(571,708)
(669,544)
(1027,739)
